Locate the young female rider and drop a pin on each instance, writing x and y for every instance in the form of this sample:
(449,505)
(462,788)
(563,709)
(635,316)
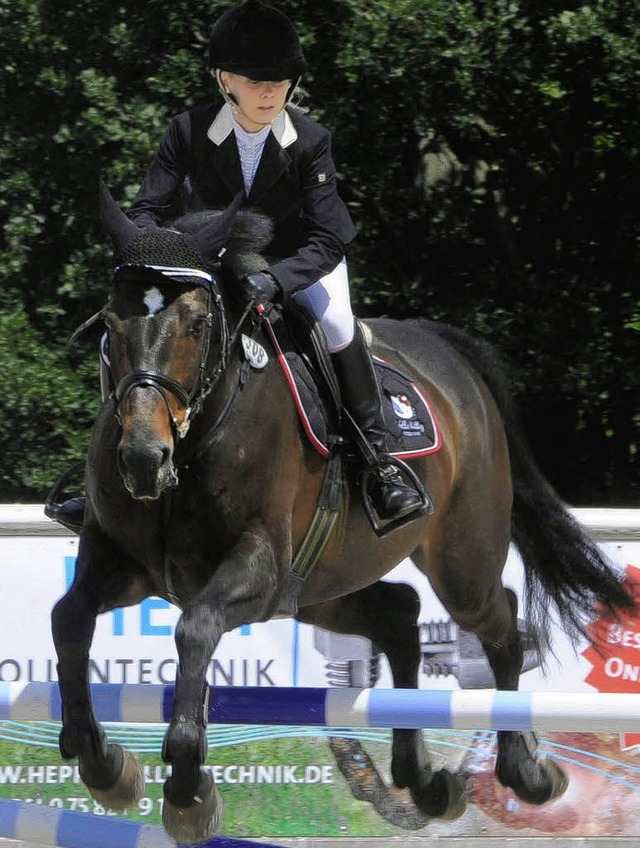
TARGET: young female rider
(282,160)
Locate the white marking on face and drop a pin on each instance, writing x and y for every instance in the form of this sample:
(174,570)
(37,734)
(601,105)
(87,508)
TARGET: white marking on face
(153,300)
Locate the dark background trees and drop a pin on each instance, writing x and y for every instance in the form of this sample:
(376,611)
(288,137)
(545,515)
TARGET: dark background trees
(489,152)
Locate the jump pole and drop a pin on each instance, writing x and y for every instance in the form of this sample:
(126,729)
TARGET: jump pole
(42,825)
(463,709)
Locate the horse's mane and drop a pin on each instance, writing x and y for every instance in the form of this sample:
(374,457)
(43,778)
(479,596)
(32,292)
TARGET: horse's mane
(251,232)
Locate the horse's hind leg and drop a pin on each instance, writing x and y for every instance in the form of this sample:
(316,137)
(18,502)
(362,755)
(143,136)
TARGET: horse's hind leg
(387,613)
(518,765)
(111,773)
(465,573)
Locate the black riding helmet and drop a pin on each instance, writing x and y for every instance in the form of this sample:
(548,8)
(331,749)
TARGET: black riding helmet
(256,41)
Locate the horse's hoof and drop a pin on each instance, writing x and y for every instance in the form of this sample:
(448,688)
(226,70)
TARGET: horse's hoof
(533,778)
(197,822)
(558,780)
(129,787)
(444,797)
(540,781)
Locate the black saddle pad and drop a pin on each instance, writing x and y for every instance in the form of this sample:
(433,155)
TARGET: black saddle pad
(411,425)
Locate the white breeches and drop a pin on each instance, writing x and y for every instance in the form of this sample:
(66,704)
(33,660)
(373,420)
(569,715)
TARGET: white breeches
(329,302)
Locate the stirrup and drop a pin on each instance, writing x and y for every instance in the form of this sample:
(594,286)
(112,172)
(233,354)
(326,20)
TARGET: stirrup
(425,507)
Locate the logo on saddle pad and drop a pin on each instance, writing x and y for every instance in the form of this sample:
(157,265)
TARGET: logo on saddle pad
(256,355)
(401,405)
(407,421)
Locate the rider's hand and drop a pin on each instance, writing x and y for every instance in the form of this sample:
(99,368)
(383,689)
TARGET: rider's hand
(259,288)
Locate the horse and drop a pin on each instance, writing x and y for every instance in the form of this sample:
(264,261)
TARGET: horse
(201,485)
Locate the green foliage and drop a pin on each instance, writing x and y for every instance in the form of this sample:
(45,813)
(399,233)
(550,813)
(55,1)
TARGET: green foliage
(45,408)
(489,153)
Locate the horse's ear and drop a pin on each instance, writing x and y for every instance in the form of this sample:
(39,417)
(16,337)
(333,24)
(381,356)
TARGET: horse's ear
(119,227)
(213,236)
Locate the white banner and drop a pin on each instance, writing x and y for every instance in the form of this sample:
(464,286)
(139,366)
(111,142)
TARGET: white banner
(135,644)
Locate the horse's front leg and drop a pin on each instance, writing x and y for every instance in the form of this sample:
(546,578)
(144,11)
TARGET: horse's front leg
(111,773)
(243,589)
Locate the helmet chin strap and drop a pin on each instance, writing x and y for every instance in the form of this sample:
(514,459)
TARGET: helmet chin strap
(292,90)
(229,97)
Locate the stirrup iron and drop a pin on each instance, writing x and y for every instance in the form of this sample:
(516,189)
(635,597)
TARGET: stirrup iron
(374,465)
(386,461)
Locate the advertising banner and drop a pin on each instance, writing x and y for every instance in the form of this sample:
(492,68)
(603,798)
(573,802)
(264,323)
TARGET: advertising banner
(295,781)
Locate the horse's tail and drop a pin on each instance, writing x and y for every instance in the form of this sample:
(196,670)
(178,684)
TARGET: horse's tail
(561,563)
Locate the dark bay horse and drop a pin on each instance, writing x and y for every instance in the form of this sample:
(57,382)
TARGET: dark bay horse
(201,486)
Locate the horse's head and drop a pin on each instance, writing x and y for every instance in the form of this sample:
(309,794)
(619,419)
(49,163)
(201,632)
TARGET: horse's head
(167,339)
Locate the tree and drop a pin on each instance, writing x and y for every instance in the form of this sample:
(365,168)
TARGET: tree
(487,149)
(498,192)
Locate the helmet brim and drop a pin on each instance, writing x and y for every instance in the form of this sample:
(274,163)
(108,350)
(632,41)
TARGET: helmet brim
(265,73)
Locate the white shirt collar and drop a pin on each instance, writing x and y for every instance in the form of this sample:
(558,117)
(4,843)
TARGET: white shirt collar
(251,140)
(281,126)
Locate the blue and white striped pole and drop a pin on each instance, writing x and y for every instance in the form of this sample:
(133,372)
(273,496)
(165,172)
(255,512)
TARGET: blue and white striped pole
(463,709)
(42,825)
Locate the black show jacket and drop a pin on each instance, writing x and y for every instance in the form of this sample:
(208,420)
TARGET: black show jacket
(295,185)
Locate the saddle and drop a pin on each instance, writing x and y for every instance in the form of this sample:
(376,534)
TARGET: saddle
(300,348)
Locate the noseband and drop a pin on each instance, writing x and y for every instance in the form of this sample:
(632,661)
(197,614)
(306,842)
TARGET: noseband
(191,399)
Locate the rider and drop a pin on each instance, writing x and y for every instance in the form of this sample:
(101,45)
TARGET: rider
(258,141)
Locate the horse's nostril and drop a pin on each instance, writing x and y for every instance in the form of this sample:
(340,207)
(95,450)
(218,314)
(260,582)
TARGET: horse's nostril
(141,457)
(146,468)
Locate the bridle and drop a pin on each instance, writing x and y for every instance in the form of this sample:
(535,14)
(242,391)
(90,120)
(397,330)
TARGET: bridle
(192,398)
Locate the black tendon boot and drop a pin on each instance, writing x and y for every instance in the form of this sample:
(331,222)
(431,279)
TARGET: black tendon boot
(69,513)
(391,495)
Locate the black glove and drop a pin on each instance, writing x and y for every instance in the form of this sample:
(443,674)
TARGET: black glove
(259,288)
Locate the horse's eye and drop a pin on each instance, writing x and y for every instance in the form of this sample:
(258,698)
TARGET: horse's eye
(196,327)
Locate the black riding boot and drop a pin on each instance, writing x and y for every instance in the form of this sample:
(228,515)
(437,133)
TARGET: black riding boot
(391,496)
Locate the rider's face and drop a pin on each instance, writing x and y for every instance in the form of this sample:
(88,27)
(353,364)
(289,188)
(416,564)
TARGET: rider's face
(258,102)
